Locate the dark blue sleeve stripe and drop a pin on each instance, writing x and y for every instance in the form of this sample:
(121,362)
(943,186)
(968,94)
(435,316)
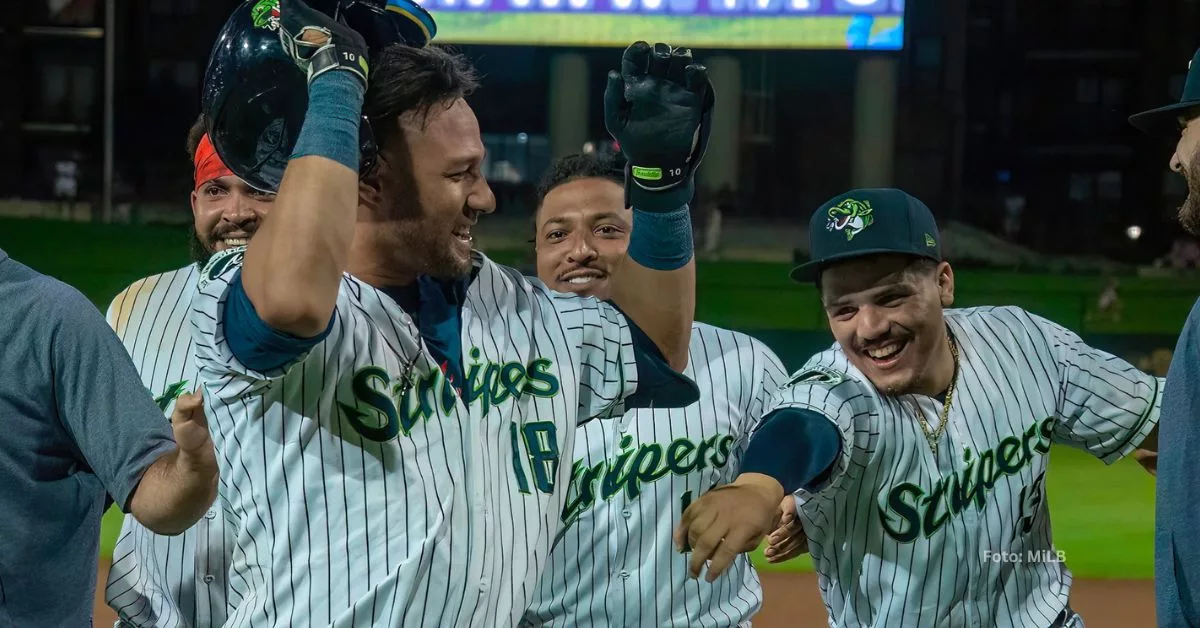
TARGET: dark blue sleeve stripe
(254,343)
(659,386)
(798,447)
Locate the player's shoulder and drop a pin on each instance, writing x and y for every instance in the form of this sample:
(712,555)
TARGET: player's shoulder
(1005,321)
(183,278)
(712,339)
(828,377)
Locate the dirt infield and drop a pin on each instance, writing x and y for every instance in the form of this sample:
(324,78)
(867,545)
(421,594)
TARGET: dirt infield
(791,601)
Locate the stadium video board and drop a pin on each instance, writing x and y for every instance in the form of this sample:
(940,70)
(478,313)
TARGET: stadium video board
(763,24)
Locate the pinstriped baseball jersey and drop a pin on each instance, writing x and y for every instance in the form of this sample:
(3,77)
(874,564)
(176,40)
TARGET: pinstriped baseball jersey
(903,537)
(365,492)
(614,563)
(165,581)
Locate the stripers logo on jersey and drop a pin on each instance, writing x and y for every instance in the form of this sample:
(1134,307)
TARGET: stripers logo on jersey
(901,533)
(399,401)
(633,468)
(366,489)
(914,510)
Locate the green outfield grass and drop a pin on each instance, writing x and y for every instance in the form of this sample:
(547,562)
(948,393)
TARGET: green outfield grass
(1103,516)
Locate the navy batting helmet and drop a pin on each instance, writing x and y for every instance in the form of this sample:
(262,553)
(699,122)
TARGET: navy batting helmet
(255,97)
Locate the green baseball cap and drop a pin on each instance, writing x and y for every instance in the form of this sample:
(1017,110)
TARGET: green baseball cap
(1163,121)
(869,222)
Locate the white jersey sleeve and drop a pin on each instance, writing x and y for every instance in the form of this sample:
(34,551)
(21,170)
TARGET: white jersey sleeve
(608,364)
(212,343)
(1106,406)
(829,386)
(767,375)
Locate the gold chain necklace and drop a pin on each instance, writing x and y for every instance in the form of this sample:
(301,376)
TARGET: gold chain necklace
(934,435)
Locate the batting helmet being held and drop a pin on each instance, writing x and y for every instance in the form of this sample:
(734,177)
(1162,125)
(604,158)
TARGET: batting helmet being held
(255,97)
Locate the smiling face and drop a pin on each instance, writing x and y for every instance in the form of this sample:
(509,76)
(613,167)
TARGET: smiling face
(1186,162)
(886,313)
(226,212)
(583,230)
(429,191)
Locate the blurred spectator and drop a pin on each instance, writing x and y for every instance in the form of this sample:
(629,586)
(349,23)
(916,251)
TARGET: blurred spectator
(66,183)
(1014,206)
(1184,254)
(1157,362)
(1108,304)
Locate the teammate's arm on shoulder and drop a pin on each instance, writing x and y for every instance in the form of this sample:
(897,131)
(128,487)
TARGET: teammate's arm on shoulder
(1106,406)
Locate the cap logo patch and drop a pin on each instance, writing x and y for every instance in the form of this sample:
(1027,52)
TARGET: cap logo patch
(850,217)
(929,241)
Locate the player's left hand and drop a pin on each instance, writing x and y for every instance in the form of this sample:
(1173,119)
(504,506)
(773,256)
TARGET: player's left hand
(788,540)
(659,109)
(727,521)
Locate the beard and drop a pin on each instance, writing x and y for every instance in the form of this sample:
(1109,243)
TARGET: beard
(421,246)
(1189,212)
(197,249)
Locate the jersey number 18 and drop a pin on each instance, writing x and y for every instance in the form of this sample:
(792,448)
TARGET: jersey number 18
(540,443)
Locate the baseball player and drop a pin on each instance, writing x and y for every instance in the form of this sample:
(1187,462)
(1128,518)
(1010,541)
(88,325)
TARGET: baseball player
(919,442)
(167,581)
(1176,547)
(389,405)
(612,564)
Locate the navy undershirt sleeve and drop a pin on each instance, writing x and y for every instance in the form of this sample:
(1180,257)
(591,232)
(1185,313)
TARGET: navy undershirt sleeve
(253,342)
(795,446)
(659,386)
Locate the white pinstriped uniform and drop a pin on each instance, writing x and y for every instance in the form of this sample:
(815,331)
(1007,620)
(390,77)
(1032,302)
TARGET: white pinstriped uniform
(614,563)
(364,492)
(901,537)
(165,581)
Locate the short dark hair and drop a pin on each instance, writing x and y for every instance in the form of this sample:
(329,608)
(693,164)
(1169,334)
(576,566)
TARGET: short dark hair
(194,135)
(581,166)
(413,80)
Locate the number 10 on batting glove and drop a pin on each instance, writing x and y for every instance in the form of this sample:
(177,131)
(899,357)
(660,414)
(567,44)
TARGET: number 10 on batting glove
(659,109)
(318,43)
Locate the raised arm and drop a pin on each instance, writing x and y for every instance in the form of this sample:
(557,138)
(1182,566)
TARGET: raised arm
(294,264)
(659,109)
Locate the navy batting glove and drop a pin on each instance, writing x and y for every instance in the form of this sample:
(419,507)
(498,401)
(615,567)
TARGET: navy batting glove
(659,110)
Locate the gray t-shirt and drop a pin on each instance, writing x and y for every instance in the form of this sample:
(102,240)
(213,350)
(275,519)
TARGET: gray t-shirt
(76,426)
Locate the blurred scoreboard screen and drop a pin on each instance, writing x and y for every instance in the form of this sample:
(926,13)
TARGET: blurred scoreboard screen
(774,24)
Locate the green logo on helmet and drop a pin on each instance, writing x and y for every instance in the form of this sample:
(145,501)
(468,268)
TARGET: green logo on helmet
(265,14)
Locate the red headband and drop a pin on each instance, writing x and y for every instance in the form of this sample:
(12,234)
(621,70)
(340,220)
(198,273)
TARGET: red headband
(208,165)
